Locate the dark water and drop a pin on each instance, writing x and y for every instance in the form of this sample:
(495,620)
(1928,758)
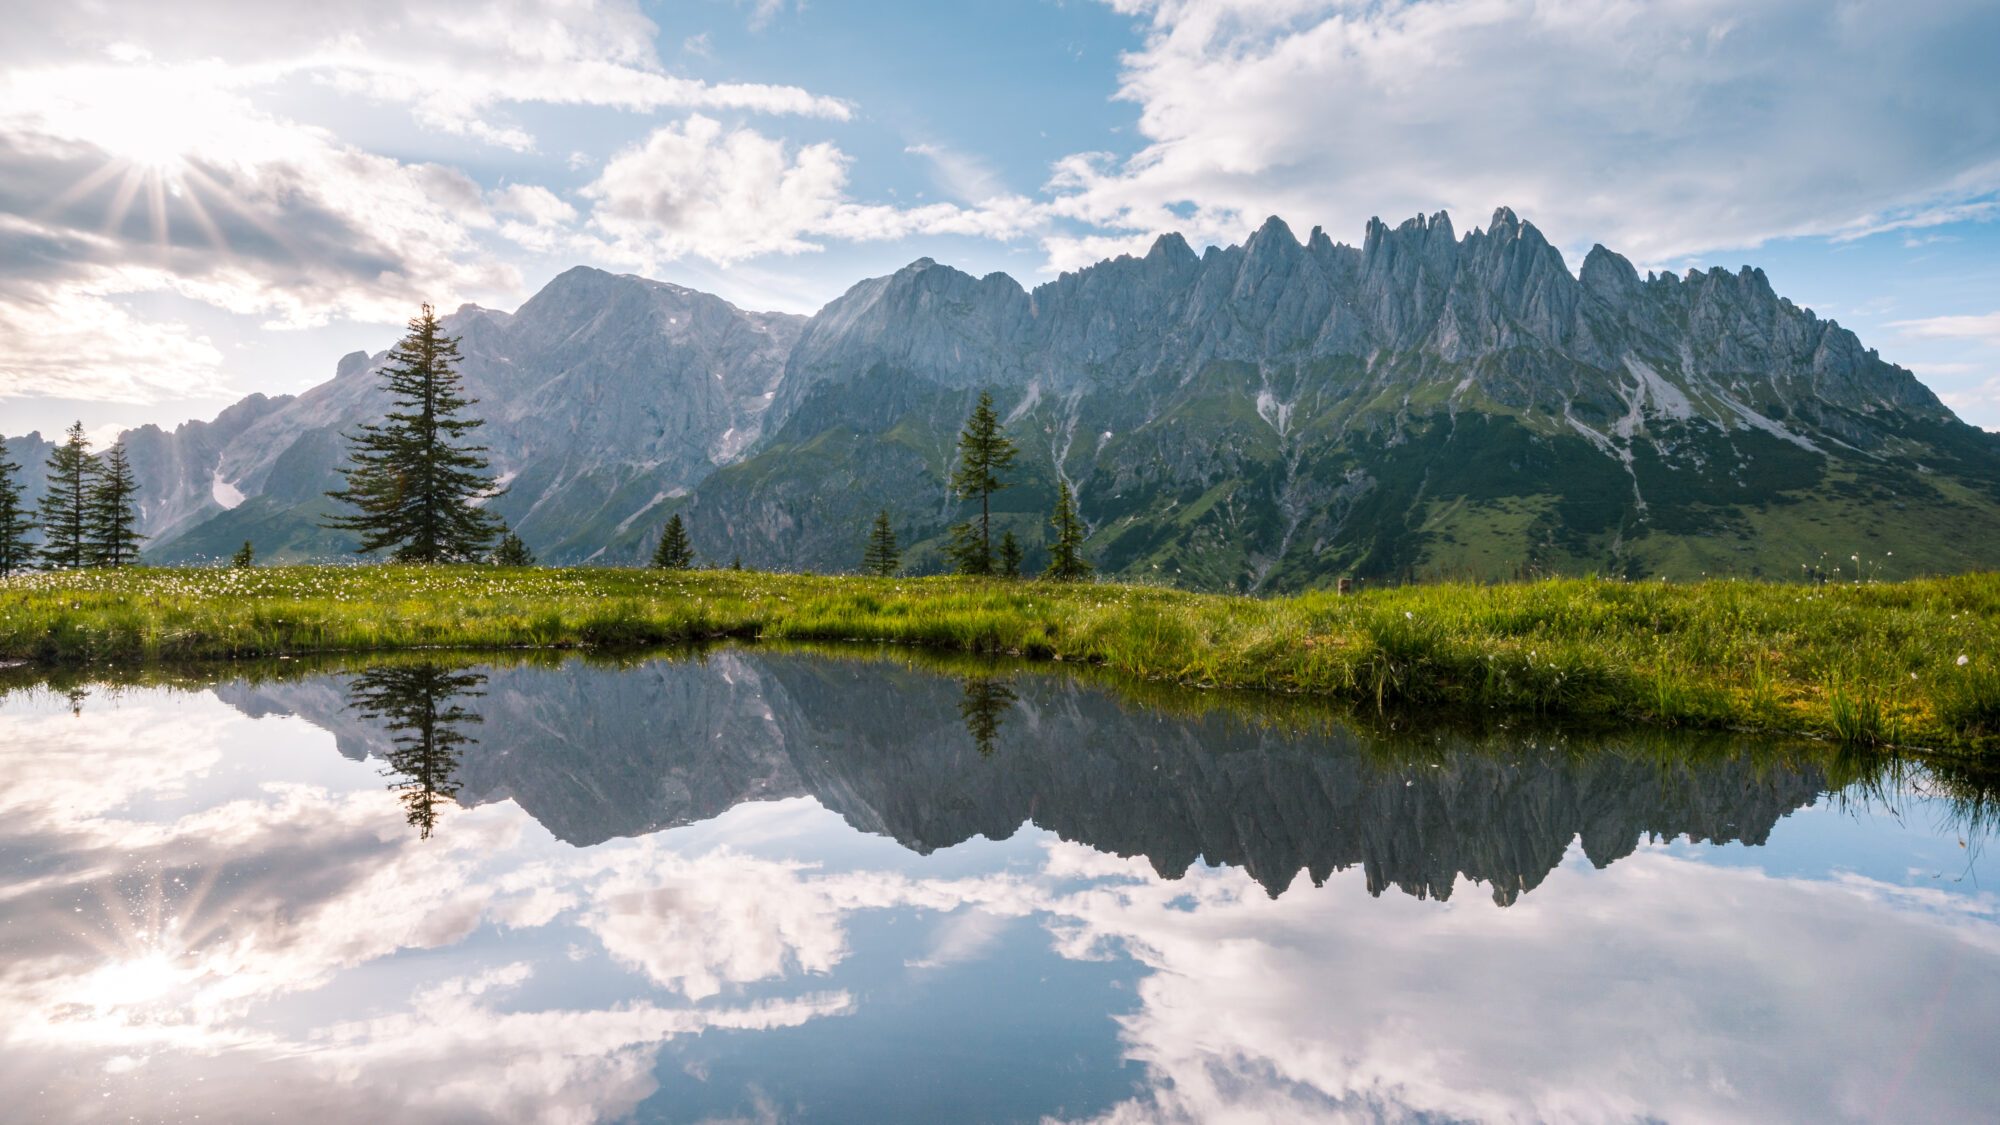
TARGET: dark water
(770,887)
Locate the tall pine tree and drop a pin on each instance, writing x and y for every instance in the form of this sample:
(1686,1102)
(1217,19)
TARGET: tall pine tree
(984,452)
(66,505)
(674,551)
(112,530)
(1066,561)
(881,557)
(412,480)
(15,553)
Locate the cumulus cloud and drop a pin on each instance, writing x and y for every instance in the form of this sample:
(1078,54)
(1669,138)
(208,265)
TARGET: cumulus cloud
(698,188)
(1661,129)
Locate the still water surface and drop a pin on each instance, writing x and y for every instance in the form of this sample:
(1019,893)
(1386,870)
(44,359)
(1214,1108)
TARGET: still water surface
(768,886)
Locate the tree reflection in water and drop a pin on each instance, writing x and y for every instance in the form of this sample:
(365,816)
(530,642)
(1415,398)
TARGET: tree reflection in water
(417,702)
(984,700)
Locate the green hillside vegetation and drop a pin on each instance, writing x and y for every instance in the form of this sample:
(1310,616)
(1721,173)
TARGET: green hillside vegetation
(1906,663)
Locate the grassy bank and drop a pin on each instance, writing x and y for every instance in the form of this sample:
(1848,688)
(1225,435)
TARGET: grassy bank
(1875,663)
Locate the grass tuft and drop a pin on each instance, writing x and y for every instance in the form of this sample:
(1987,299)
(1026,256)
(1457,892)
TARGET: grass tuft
(1867,664)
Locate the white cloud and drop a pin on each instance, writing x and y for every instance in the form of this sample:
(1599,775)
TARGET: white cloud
(695,925)
(535,217)
(1660,129)
(1325,1005)
(961,175)
(146,178)
(763,12)
(1981,400)
(141,153)
(698,188)
(1984,328)
(239,937)
(453,63)
(71,343)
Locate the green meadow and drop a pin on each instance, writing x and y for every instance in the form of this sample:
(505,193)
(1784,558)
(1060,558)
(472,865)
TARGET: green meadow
(1908,664)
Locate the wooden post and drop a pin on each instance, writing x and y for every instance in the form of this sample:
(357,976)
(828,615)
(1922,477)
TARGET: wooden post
(1347,585)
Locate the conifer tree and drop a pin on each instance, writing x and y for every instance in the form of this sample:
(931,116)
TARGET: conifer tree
(984,452)
(881,557)
(112,527)
(981,706)
(419,705)
(674,551)
(246,555)
(15,523)
(412,479)
(66,505)
(1010,555)
(1066,562)
(512,552)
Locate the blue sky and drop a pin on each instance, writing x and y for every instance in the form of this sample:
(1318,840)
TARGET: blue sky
(217,197)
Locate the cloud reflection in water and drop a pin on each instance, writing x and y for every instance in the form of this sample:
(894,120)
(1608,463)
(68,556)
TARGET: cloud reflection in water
(201,911)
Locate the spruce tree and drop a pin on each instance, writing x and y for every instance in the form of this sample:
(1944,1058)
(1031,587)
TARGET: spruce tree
(245,556)
(984,452)
(981,706)
(512,552)
(112,531)
(66,505)
(1066,561)
(1010,555)
(674,551)
(412,479)
(15,523)
(419,706)
(881,557)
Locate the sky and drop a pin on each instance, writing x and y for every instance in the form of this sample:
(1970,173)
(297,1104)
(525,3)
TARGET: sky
(208,198)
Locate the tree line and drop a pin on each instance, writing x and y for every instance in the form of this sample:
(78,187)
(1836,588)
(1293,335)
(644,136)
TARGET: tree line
(89,517)
(416,485)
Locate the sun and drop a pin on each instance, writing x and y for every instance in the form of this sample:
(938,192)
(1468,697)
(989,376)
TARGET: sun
(154,138)
(162,132)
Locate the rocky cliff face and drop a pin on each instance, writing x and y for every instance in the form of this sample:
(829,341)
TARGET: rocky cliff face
(1267,416)
(1281,413)
(594,753)
(603,396)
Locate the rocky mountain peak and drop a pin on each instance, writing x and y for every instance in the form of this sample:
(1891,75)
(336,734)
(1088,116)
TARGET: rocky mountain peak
(1172,247)
(1608,276)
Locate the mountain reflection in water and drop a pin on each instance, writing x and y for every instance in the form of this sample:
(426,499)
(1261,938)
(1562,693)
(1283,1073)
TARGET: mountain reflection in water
(756,885)
(931,761)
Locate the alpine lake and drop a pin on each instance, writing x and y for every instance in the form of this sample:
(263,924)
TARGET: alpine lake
(768,884)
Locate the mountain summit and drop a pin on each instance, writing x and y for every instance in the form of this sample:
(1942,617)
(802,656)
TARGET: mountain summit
(1266,416)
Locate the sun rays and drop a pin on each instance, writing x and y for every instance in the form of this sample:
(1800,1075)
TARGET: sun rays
(176,143)
(147,941)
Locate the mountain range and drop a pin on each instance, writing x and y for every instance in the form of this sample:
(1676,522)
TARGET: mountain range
(1264,417)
